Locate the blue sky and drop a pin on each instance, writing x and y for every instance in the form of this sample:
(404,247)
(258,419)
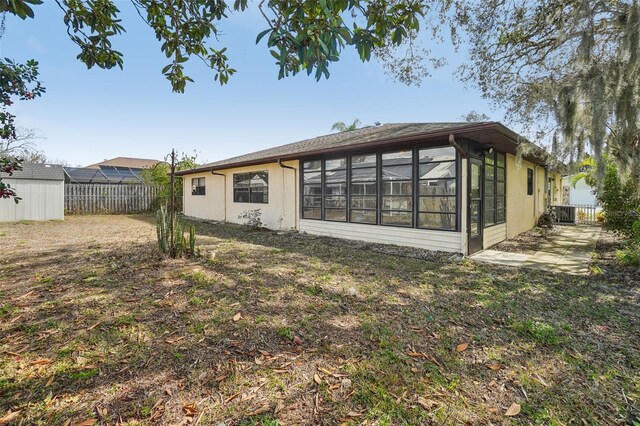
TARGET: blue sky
(87,116)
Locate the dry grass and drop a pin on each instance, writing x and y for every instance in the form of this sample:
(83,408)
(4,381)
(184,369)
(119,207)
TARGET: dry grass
(96,324)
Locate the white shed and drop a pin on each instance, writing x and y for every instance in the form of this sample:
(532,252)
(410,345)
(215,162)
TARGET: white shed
(580,194)
(41,187)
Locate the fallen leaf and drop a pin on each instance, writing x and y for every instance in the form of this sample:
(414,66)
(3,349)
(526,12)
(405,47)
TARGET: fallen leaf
(264,408)
(171,341)
(317,379)
(541,380)
(514,410)
(189,409)
(427,404)
(11,416)
(297,340)
(494,366)
(462,347)
(41,361)
(237,317)
(88,422)
(95,325)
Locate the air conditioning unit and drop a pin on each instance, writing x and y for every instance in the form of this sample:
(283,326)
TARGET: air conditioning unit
(564,214)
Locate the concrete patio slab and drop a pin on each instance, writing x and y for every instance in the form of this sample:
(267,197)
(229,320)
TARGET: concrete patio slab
(569,252)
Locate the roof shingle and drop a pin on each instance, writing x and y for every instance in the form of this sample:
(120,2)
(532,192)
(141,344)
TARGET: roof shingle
(127,162)
(343,140)
(37,172)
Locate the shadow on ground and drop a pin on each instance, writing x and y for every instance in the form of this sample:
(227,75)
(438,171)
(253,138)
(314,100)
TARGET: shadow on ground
(268,327)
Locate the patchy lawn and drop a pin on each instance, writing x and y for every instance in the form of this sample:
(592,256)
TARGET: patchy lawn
(286,329)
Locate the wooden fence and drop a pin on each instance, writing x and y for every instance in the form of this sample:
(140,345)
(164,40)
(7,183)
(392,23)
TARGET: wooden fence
(108,198)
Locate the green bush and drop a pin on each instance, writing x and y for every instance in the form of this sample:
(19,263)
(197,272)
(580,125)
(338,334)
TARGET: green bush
(619,199)
(630,255)
(635,231)
(159,176)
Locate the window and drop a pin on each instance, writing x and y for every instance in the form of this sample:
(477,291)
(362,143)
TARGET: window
(413,187)
(335,189)
(397,188)
(252,187)
(364,189)
(197,186)
(312,189)
(437,201)
(494,189)
(529,181)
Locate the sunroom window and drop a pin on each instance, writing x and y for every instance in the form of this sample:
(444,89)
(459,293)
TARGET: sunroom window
(397,188)
(364,189)
(437,203)
(413,187)
(335,189)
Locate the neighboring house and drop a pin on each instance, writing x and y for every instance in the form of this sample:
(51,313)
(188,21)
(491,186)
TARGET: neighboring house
(453,187)
(119,170)
(41,187)
(125,163)
(580,194)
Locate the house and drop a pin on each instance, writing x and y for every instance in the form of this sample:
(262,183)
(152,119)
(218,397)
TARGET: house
(455,187)
(41,187)
(125,163)
(119,170)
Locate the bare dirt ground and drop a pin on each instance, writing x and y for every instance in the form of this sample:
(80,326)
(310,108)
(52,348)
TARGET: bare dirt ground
(528,242)
(97,327)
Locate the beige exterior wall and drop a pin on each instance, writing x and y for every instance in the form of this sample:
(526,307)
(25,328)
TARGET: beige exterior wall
(208,206)
(556,189)
(523,210)
(281,212)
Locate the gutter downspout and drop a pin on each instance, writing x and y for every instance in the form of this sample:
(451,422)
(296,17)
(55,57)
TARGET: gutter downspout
(535,195)
(224,185)
(295,189)
(456,145)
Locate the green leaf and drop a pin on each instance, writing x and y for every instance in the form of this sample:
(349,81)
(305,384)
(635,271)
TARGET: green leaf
(262,34)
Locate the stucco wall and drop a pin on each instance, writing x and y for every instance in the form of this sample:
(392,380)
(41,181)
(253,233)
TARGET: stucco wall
(556,189)
(280,212)
(41,200)
(523,210)
(208,206)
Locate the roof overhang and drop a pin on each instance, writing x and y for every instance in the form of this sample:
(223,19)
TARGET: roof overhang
(492,135)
